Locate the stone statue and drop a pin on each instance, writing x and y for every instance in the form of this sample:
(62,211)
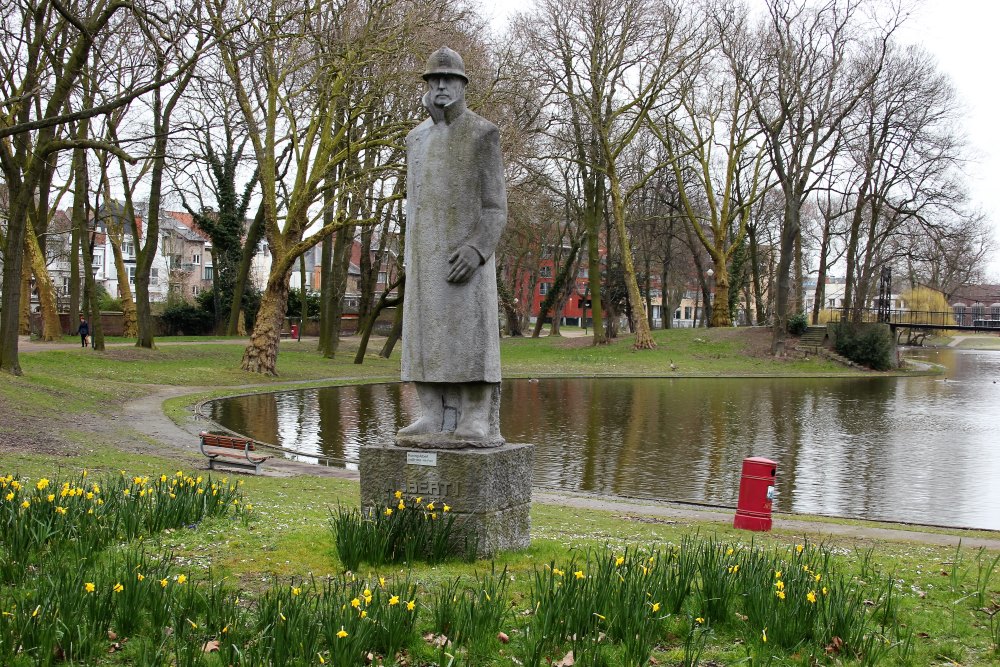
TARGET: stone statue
(456,207)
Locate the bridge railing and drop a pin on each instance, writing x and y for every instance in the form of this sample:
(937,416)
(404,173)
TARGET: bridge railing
(930,318)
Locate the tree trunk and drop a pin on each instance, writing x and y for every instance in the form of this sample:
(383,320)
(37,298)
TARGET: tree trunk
(720,305)
(820,295)
(261,353)
(789,232)
(51,328)
(254,234)
(397,324)
(129,327)
(74,275)
(383,302)
(643,337)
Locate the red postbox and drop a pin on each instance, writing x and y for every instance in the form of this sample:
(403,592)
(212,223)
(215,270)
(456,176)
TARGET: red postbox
(753,511)
(295,331)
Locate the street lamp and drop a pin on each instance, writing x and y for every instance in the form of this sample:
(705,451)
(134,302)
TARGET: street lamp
(708,301)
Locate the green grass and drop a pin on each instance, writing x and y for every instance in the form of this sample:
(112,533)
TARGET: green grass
(939,591)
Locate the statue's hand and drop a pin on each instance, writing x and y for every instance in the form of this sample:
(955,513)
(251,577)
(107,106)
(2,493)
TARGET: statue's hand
(464,262)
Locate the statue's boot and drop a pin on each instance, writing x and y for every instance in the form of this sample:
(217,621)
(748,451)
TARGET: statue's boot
(431,411)
(474,424)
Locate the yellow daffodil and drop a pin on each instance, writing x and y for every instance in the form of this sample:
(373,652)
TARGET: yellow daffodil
(817,577)
(9,497)
(125,492)
(399,495)
(447,508)
(411,605)
(341,633)
(763,635)
(579,574)
(296,590)
(394,600)
(556,571)
(26,504)
(656,607)
(824,590)
(364,614)
(381,582)
(181,578)
(118,588)
(434,515)
(89,587)
(60,509)
(50,497)
(780,585)
(388,511)
(355,603)
(42,484)
(37,609)
(619,561)
(781,595)
(140,576)
(419,499)
(321,660)
(163,478)
(777,574)
(811,596)
(699,620)
(401,506)
(430,506)
(729,551)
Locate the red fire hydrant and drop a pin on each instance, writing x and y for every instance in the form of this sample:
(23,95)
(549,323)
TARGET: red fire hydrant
(753,511)
(295,331)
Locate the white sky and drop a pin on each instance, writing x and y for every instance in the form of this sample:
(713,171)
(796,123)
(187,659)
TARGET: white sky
(962,34)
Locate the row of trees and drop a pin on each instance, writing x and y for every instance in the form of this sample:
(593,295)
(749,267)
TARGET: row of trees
(649,144)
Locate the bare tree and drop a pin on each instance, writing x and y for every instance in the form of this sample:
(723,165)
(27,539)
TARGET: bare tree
(44,49)
(806,78)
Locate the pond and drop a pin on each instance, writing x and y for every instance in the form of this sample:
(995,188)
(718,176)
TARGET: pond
(914,449)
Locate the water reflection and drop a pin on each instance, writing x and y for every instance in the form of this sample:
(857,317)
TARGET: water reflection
(911,449)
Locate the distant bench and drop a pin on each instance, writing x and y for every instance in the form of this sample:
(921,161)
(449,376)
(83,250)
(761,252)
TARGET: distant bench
(231,451)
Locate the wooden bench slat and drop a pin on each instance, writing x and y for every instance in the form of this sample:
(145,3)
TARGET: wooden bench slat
(218,445)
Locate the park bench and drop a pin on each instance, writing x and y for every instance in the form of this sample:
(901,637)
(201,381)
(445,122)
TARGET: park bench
(231,451)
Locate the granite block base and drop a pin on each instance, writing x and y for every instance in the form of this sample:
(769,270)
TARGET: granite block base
(488,490)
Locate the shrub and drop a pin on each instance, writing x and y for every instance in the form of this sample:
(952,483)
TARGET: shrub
(866,344)
(184,319)
(797,324)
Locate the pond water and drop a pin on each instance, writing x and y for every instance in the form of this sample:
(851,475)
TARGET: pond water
(915,449)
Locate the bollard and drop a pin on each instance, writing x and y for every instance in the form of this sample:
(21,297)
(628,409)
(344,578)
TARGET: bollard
(753,510)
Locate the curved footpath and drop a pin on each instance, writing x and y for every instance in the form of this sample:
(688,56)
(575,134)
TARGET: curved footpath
(146,416)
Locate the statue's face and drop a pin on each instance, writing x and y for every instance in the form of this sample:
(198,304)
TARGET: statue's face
(445,89)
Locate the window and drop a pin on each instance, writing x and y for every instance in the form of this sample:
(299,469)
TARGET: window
(65,286)
(131,275)
(543,288)
(677,314)
(196,258)
(995,311)
(832,302)
(97,261)
(128,250)
(545,272)
(209,273)
(959,313)
(382,277)
(687,312)
(154,274)
(194,290)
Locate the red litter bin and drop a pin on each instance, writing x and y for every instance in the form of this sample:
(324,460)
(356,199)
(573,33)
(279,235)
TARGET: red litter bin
(295,331)
(753,511)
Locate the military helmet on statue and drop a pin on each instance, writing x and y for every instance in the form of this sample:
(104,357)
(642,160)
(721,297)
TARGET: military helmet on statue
(445,62)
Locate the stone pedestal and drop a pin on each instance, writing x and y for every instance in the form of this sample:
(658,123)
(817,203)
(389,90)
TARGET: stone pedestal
(488,490)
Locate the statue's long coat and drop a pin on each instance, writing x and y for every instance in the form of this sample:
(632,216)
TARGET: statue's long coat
(455,195)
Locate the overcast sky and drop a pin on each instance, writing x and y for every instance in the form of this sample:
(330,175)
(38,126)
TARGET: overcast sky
(962,34)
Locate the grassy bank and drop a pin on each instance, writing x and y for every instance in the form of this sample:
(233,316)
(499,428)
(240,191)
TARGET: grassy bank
(58,419)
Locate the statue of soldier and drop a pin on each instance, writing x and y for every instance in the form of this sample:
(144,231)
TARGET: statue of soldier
(456,207)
